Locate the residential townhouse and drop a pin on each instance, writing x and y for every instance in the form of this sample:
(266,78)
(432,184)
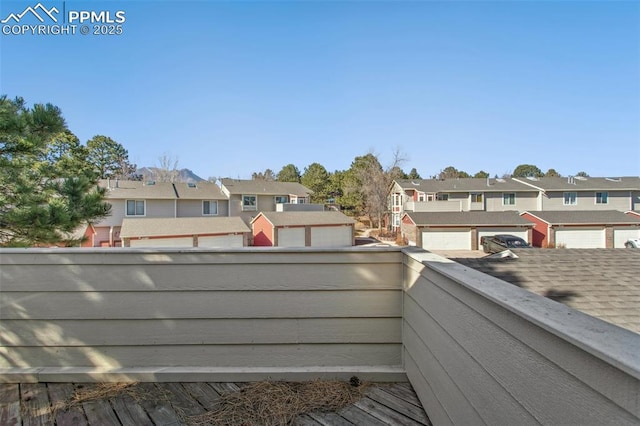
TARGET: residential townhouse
(200,199)
(558,196)
(459,195)
(155,200)
(133,199)
(585,193)
(249,197)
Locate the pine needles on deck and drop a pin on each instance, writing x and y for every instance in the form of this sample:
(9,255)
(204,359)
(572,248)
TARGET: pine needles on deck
(279,403)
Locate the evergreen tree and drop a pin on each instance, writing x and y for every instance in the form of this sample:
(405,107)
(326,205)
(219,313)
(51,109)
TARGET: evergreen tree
(527,170)
(413,174)
(289,173)
(316,178)
(47,190)
(109,158)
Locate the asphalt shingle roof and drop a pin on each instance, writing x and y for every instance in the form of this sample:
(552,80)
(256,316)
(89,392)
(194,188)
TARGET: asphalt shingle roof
(584,184)
(199,191)
(161,227)
(129,189)
(479,218)
(604,283)
(262,187)
(308,218)
(586,217)
(464,185)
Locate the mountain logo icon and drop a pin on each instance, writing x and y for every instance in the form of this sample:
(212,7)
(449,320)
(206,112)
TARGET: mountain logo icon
(34,11)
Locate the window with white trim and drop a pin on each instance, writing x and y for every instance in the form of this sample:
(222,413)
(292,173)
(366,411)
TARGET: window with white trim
(602,198)
(422,196)
(570,198)
(249,203)
(476,197)
(209,208)
(135,207)
(443,197)
(509,199)
(281,199)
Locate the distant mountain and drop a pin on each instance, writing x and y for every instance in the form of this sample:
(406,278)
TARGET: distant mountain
(183,175)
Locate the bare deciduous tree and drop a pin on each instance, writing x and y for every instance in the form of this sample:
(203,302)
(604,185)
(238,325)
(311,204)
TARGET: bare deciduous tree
(373,181)
(167,169)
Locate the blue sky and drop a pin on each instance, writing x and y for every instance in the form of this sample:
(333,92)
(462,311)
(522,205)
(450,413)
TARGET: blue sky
(229,88)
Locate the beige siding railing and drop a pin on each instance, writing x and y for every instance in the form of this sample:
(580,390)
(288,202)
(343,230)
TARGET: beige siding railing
(481,351)
(180,315)
(476,349)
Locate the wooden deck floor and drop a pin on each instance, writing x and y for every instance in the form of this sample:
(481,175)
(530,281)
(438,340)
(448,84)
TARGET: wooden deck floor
(176,403)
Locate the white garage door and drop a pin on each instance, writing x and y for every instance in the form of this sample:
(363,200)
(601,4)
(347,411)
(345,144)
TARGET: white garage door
(518,232)
(581,238)
(620,236)
(224,241)
(291,237)
(331,236)
(163,242)
(450,239)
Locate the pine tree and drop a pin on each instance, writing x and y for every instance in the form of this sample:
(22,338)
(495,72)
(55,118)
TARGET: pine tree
(48,191)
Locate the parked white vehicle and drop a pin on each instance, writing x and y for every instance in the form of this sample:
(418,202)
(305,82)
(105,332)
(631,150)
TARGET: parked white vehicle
(633,243)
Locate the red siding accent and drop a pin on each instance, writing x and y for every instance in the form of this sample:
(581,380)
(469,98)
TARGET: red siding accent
(540,233)
(262,231)
(407,220)
(89,237)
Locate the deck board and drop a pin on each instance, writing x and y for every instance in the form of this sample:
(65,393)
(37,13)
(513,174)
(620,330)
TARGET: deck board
(71,416)
(130,412)
(34,400)
(388,399)
(100,412)
(10,404)
(159,408)
(204,394)
(384,413)
(174,403)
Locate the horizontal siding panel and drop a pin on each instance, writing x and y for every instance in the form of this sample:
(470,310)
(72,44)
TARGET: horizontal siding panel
(205,331)
(200,304)
(611,382)
(538,384)
(145,277)
(487,397)
(244,256)
(301,355)
(429,399)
